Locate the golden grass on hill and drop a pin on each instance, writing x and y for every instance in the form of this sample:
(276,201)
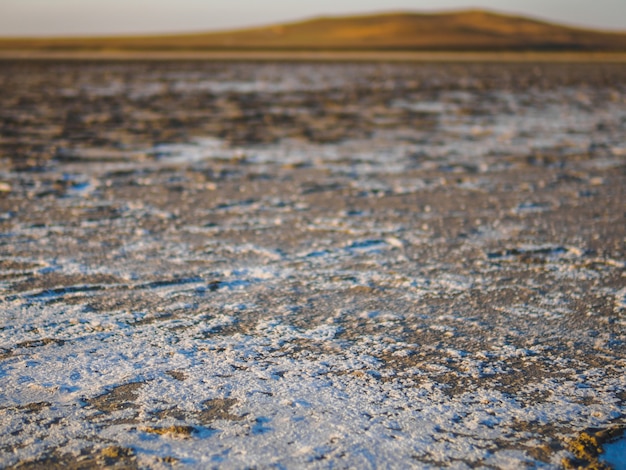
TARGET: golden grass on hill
(459,31)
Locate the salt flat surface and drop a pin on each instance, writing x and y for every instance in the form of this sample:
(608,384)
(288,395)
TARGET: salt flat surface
(327,266)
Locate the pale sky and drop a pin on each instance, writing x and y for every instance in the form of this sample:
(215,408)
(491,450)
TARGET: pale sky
(97,17)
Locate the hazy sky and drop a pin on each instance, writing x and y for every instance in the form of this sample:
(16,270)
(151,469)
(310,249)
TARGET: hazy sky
(85,17)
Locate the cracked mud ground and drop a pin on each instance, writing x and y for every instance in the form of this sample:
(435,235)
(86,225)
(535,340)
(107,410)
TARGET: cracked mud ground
(333,266)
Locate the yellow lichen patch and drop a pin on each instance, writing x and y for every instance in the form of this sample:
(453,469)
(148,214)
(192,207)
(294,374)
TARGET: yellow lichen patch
(175,431)
(115,457)
(587,449)
(115,452)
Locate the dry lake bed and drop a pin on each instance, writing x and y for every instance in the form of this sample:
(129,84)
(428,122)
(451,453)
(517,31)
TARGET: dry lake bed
(257,265)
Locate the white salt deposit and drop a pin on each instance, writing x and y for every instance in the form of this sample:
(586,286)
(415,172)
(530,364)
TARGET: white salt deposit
(431,297)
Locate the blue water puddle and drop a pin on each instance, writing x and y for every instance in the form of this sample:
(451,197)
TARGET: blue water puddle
(237,283)
(228,205)
(615,454)
(171,282)
(359,246)
(367,245)
(318,254)
(56,293)
(52,294)
(81,186)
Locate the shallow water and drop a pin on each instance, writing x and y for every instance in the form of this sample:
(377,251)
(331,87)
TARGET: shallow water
(332,265)
(614,454)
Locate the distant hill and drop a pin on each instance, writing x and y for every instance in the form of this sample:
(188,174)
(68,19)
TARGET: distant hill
(472,30)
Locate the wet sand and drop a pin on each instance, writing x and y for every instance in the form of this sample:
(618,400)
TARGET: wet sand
(216,264)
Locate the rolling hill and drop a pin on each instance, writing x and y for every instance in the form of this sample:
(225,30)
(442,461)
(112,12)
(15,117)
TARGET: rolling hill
(472,30)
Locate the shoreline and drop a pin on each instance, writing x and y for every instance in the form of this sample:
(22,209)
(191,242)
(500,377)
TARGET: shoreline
(316,56)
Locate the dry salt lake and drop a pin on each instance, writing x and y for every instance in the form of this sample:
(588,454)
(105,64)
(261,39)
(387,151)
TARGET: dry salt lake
(309,265)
